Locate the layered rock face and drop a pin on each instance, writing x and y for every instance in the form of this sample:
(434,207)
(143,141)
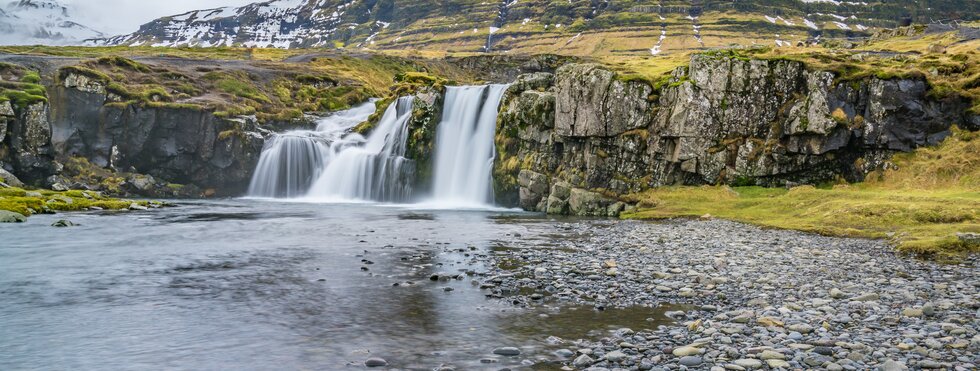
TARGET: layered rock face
(586,131)
(172,144)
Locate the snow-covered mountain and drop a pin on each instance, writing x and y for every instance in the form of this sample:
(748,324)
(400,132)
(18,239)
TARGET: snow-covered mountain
(588,27)
(49,22)
(277,23)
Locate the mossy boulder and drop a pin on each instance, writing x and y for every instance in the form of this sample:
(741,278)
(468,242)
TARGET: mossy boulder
(11,217)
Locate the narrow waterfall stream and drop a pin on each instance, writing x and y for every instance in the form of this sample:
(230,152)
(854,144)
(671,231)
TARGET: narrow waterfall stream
(464,146)
(332,164)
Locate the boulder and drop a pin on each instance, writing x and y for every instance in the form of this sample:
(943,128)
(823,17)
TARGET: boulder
(11,217)
(10,179)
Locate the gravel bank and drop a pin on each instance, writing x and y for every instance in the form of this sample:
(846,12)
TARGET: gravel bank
(755,298)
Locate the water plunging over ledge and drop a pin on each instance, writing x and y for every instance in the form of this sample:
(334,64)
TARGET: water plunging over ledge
(333,164)
(292,161)
(464,146)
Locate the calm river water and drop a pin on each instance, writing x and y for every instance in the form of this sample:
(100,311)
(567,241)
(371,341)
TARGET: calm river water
(248,284)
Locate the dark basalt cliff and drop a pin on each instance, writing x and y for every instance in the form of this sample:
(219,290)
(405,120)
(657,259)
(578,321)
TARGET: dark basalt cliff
(573,142)
(152,150)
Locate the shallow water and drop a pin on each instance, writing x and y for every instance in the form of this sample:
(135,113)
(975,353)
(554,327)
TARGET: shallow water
(250,284)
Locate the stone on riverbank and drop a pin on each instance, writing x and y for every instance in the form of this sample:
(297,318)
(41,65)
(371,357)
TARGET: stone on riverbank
(375,362)
(507,351)
(11,217)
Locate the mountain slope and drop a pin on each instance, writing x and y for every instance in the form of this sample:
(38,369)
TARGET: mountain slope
(580,27)
(27,22)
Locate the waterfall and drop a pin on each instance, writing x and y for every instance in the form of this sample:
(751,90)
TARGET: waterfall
(291,161)
(465,151)
(372,168)
(333,164)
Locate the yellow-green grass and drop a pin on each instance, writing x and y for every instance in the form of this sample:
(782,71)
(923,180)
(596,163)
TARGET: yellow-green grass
(950,64)
(934,194)
(27,203)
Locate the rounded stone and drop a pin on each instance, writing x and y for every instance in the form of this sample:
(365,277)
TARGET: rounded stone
(375,362)
(749,363)
(690,361)
(507,351)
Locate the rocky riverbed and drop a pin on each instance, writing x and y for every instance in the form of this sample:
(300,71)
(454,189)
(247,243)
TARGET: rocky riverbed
(752,298)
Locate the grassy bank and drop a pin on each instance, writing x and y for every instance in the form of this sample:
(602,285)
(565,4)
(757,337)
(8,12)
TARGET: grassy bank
(920,207)
(29,202)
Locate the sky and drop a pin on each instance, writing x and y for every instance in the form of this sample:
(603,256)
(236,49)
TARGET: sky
(125,16)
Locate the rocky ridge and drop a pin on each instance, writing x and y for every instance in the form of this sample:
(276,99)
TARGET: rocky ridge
(573,141)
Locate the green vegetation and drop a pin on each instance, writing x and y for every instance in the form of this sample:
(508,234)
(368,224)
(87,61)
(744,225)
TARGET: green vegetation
(934,194)
(20,86)
(28,202)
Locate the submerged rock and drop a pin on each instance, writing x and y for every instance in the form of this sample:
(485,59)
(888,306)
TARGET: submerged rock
(63,223)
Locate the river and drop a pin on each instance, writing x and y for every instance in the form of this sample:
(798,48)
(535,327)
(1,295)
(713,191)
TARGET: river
(251,284)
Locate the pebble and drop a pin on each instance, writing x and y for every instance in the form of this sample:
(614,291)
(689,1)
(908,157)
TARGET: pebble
(768,354)
(616,356)
(690,361)
(892,365)
(686,351)
(777,363)
(748,363)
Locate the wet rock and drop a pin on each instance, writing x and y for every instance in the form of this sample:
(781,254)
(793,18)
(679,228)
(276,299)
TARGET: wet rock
(63,223)
(583,361)
(507,351)
(375,362)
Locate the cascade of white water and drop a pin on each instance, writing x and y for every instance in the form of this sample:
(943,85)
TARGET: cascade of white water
(291,161)
(464,151)
(372,168)
(333,164)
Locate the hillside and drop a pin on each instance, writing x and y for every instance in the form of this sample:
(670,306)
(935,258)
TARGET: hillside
(538,26)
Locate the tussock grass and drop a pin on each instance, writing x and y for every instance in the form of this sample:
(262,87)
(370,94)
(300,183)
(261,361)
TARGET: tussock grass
(933,194)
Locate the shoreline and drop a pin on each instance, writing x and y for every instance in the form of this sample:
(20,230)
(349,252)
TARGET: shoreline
(761,297)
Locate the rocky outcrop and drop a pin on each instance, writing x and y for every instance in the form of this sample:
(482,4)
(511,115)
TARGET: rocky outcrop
(163,144)
(722,120)
(591,102)
(26,148)
(502,68)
